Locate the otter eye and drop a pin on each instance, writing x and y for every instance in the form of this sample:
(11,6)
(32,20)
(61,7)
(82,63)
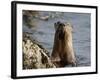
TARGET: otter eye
(58,22)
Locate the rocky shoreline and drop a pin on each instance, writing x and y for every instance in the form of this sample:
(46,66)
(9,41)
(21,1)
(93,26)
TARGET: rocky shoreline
(35,56)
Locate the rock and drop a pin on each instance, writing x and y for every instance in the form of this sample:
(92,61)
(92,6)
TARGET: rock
(34,55)
(44,18)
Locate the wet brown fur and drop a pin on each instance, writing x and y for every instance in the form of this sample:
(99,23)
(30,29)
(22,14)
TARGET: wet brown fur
(63,53)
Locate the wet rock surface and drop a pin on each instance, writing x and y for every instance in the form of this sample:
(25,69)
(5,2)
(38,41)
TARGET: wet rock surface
(34,55)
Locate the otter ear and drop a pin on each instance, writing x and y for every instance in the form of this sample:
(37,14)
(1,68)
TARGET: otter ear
(55,25)
(71,28)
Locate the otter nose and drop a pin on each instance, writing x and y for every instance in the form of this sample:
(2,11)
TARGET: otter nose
(61,24)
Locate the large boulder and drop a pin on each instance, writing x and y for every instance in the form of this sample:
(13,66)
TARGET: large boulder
(34,55)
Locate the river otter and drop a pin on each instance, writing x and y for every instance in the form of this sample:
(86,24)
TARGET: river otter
(63,53)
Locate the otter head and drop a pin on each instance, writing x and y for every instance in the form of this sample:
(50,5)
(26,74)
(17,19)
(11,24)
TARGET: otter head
(59,25)
(59,28)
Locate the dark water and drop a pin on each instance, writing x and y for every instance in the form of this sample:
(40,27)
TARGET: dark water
(43,31)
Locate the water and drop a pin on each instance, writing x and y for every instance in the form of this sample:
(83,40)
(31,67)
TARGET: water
(44,31)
